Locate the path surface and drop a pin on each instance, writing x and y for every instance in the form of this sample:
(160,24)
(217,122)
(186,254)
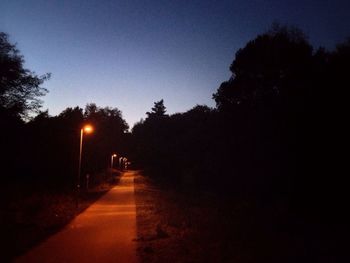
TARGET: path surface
(102,233)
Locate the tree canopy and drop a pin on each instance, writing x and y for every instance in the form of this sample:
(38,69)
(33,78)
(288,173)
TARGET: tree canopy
(274,65)
(20,88)
(158,109)
(58,138)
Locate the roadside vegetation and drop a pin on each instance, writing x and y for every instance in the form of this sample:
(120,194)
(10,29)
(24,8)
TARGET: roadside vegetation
(178,226)
(263,155)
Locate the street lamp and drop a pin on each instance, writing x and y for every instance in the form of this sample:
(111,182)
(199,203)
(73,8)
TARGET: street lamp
(87,129)
(112,157)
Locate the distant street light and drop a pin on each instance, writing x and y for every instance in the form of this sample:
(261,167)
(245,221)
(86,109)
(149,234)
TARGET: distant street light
(86,129)
(112,158)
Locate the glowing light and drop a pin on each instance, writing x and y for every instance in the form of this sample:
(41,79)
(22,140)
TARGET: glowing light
(88,128)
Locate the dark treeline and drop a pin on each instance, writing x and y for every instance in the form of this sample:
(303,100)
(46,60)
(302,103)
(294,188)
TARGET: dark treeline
(267,135)
(44,150)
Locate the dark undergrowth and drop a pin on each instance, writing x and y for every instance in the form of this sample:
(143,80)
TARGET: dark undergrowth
(177,225)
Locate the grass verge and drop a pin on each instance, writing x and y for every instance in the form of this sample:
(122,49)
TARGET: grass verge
(176,226)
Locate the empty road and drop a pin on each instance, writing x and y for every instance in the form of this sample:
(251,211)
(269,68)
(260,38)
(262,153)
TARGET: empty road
(102,233)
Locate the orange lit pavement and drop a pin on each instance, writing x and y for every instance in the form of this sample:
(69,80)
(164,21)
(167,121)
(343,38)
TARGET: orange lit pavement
(102,233)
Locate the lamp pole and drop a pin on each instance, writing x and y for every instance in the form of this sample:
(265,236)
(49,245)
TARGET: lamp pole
(80,151)
(113,155)
(87,129)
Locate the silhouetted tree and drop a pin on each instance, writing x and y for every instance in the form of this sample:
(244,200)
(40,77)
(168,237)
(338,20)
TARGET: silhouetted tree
(108,136)
(272,67)
(338,72)
(20,88)
(176,148)
(267,104)
(158,109)
(53,143)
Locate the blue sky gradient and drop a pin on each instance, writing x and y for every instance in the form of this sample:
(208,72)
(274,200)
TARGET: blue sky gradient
(128,54)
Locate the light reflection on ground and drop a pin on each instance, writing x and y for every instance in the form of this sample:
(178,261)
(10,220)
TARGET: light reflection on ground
(102,233)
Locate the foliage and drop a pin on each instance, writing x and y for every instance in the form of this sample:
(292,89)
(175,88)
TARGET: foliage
(272,67)
(174,144)
(20,88)
(48,146)
(158,109)
(108,137)
(264,136)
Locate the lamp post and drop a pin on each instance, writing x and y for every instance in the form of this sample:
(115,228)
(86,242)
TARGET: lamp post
(86,129)
(112,158)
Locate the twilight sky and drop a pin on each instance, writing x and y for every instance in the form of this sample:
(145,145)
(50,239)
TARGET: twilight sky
(128,54)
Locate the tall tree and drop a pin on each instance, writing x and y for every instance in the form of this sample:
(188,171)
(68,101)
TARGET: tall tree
(266,107)
(158,109)
(20,88)
(275,65)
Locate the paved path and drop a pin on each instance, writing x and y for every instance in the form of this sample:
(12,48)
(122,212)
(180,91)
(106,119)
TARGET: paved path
(102,233)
